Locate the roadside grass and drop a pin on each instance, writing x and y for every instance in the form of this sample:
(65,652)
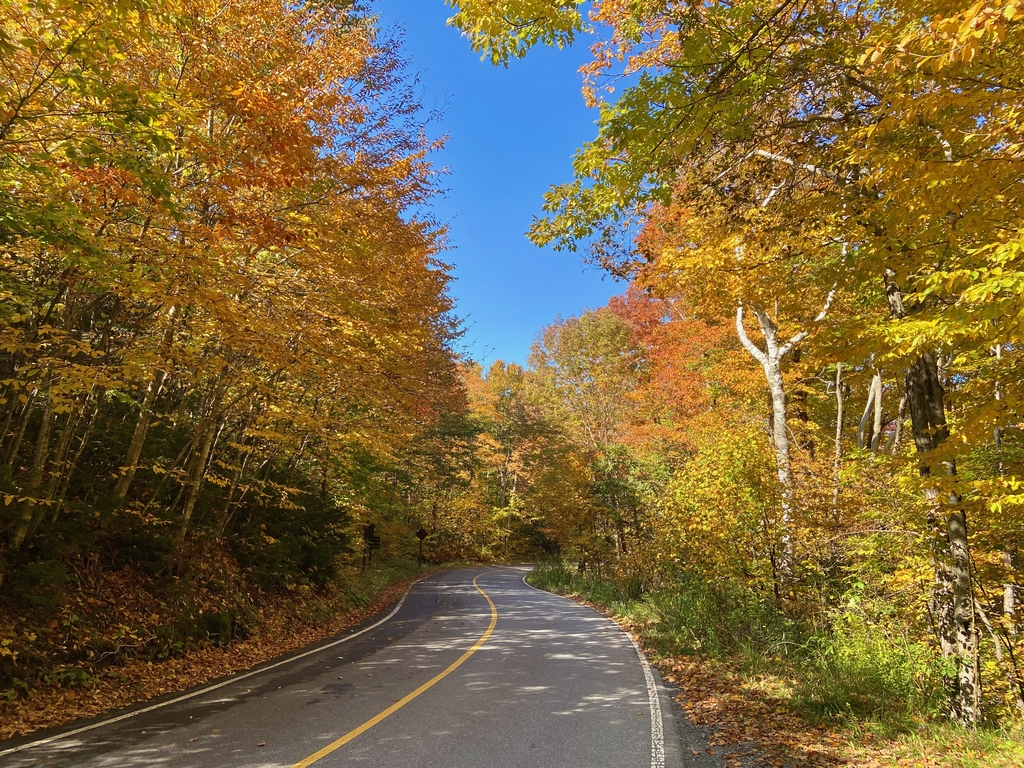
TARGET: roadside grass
(849,695)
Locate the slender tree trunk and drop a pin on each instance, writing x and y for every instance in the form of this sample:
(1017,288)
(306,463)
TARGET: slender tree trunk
(1010,606)
(877,424)
(15,447)
(197,469)
(225,518)
(770,359)
(35,476)
(873,407)
(59,463)
(9,394)
(1009,552)
(893,444)
(145,418)
(73,464)
(838,456)
(131,459)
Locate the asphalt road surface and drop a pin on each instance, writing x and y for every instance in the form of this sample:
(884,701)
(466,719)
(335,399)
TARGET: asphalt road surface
(473,669)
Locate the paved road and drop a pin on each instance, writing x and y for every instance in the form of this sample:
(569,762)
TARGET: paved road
(491,674)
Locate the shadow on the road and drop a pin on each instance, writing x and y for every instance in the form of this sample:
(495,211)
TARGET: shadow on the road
(548,661)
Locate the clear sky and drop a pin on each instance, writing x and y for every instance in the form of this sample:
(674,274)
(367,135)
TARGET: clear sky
(512,134)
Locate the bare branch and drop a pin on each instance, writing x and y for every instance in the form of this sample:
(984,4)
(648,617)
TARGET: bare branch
(789,161)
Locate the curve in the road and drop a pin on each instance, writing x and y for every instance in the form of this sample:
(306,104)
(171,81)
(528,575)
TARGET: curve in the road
(554,683)
(406,699)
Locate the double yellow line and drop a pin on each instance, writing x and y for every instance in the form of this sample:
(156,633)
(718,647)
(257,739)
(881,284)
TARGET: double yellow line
(334,745)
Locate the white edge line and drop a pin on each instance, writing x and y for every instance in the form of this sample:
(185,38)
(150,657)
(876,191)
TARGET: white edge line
(207,689)
(657,724)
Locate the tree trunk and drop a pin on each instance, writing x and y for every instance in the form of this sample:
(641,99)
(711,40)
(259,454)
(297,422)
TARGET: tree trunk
(156,385)
(770,360)
(952,601)
(895,440)
(59,463)
(877,423)
(197,469)
(131,459)
(35,476)
(225,518)
(783,461)
(65,483)
(1010,591)
(15,447)
(837,457)
(873,407)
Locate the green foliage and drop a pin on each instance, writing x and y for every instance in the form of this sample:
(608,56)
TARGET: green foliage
(857,669)
(507,30)
(37,588)
(292,545)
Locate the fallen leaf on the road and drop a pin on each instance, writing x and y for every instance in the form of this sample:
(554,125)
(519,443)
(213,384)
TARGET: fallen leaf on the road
(261,743)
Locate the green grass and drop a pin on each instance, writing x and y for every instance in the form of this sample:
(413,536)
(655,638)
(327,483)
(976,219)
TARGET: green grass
(949,745)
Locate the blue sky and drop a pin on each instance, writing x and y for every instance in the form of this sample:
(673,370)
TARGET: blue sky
(512,134)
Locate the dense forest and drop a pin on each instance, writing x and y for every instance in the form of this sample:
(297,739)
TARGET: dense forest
(223,318)
(227,342)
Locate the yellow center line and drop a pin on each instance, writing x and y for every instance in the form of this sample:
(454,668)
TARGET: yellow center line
(403,701)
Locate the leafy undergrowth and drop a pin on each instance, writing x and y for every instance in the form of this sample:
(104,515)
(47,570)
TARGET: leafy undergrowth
(754,716)
(282,623)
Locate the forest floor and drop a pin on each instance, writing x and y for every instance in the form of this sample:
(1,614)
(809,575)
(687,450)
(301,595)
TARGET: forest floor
(286,625)
(748,720)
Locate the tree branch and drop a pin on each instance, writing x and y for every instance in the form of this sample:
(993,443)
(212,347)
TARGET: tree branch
(788,161)
(788,346)
(748,345)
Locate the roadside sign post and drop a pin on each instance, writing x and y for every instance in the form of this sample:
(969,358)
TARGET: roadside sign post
(421,534)
(370,543)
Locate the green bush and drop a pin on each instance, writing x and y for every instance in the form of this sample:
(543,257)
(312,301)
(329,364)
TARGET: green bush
(37,587)
(719,620)
(858,669)
(688,616)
